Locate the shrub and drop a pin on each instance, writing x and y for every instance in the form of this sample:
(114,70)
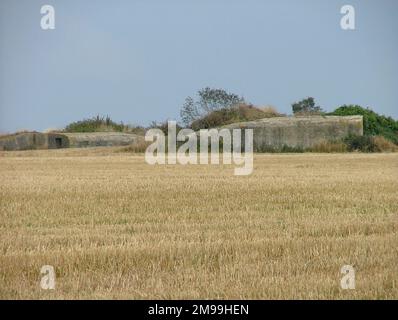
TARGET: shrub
(373,123)
(95,124)
(360,143)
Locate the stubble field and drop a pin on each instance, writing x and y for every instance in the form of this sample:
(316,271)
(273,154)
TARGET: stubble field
(115,227)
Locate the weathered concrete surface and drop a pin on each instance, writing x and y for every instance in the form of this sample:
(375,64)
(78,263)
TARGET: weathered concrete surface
(37,140)
(33,140)
(101,139)
(299,132)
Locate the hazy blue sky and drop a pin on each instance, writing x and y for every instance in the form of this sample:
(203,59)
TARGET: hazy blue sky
(137,61)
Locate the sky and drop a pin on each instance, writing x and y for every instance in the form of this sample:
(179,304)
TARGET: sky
(137,60)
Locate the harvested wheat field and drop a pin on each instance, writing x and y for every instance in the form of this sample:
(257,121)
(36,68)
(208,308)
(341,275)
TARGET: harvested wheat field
(115,227)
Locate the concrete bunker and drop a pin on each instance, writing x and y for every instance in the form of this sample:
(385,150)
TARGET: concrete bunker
(33,140)
(268,134)
(299,132)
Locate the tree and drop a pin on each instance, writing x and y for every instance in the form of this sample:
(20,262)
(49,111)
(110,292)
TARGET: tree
(189,111)
(209,100)
(306,106)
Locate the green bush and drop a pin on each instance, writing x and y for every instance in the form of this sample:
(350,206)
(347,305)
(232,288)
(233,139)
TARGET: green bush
(369,144)
(373,123)
(360,143)
(95,124)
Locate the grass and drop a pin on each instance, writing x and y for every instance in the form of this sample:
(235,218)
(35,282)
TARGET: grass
(330,147)
(115,227)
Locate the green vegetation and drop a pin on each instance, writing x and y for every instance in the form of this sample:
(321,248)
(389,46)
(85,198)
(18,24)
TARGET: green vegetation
(306,107)
(102,124)
(217,107)
(380,133)
(209,100)
(352,143)
(373,123)
(369,143)
(95,124)
(360,143)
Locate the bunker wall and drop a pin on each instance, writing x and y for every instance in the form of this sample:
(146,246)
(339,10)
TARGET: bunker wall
(33,140)
(101,139)
(300,132)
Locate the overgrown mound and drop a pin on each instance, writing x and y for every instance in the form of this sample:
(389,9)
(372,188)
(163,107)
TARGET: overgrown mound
(95,124)
(373,123)
(216,107)
(238,113)
(102,124)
